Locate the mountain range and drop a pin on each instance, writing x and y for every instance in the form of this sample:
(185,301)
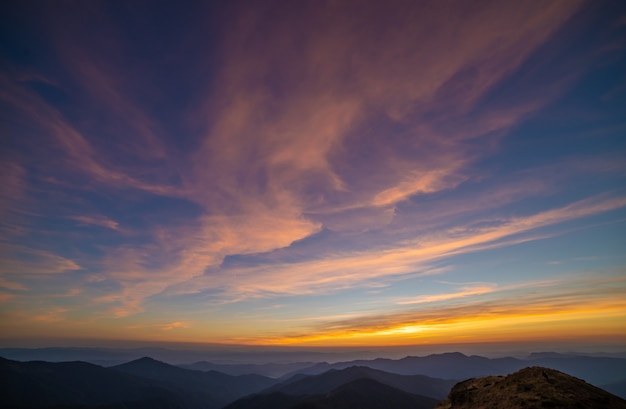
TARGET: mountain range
(416,382)
(197,387)
(141,383)
(599,371)
(40,384)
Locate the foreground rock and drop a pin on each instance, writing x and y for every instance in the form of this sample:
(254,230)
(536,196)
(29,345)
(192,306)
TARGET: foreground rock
(533,387)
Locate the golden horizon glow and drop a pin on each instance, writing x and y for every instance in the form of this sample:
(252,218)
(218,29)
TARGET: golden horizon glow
(567,324)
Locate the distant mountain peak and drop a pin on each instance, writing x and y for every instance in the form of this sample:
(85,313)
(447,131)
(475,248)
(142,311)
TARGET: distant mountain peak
(456,354)
(146,361)
(529,388)
(543,355)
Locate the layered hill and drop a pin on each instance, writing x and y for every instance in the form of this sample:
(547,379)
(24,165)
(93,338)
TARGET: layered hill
(147,383)
(328,381)
(354,387)
(197,387)
(532,387)
(144,383)
(599,371)
(361,393)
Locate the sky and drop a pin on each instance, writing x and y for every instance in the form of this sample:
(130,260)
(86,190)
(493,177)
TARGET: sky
(313,173)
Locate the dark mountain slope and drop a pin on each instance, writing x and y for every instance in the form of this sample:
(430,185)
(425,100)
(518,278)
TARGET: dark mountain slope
(360,393)
(274,400)
(42,384)
(324,383)
(368,394)
(199,388)
(532,387)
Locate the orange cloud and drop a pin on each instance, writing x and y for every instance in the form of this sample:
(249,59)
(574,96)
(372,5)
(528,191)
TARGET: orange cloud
(9,285)
(19,260)
(173,325)
(52,316)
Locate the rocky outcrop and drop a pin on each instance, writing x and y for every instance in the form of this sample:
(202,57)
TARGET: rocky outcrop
(533,387)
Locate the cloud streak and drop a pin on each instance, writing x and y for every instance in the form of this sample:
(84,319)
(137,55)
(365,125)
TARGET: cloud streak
(336,272)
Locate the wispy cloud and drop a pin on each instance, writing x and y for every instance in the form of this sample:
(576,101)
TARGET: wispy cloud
(19,260)
(174,325)
(302,144)
(52,316)
(75,152)
(12,285)
(97,221)
(334,118)
(342,271)
(465,292)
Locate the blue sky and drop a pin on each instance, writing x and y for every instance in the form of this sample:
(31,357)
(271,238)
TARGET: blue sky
(314,172)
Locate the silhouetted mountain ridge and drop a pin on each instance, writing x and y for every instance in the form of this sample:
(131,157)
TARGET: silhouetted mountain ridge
(273,370)
(42,384)
(324,383)
(372,394)
(362,393)
(197,386)
(596,370)
(143,383)
(149,383)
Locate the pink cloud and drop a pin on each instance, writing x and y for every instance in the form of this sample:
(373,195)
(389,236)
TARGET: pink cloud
(19,260)
(97,221)
(346,270)
(317,118)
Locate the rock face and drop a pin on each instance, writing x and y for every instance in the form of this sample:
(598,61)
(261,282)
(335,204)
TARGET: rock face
(533,387)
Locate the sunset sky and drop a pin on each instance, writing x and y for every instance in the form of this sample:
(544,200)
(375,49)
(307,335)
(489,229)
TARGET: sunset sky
(313,173)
